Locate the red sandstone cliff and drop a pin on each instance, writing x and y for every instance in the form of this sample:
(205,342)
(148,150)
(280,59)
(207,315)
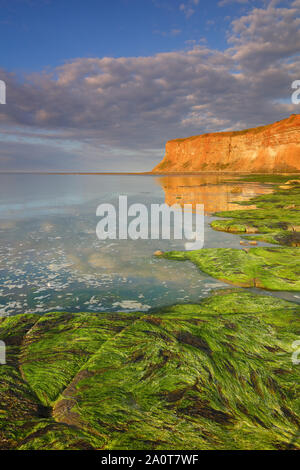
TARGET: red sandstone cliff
(267,149)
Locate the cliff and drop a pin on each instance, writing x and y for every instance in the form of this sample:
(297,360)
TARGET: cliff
(266,149)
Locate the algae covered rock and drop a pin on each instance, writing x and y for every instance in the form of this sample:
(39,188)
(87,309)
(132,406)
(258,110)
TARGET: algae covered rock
(18,404)
(274,268)
(276,218)
(213,375)
(58,345)
(202,376)
(42,355)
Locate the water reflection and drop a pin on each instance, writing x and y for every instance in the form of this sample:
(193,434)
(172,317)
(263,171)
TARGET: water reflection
(210,190)
(51,259)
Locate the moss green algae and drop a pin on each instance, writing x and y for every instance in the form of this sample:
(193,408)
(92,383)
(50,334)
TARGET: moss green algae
(71,338)
(272,268)
(216,375)
(276,218)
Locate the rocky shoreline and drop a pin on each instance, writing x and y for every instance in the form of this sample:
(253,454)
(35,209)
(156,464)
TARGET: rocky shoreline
(213,375)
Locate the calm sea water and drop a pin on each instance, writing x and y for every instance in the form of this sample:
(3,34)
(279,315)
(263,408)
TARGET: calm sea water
(51,258)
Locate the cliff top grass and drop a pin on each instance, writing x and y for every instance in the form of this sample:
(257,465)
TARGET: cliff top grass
(214,375)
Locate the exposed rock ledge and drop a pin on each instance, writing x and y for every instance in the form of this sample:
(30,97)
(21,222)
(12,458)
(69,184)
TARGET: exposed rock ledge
(267,149)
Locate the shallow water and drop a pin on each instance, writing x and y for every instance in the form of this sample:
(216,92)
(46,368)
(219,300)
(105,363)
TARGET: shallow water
(51,259)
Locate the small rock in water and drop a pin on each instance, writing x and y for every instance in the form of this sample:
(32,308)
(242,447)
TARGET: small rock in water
(158,253)
(242,242)
(293,182)
(253,242)
(251,229)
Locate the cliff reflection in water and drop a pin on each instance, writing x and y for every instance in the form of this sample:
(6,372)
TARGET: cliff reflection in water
(210,190)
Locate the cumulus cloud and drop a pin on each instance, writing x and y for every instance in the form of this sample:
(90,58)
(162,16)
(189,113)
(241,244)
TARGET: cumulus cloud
(101,109)
(265,37)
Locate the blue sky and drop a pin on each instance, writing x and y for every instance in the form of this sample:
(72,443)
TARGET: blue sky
(40,33)
(101,85)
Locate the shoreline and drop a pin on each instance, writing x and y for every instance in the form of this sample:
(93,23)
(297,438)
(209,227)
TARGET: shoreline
(145,173)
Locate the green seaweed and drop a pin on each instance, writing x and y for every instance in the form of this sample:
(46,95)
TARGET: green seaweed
(213,375)
(273,268)
(266,177)
(276,218)
(62,343)
(18,403)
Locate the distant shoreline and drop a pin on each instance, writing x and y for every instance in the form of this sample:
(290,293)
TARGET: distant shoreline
(145,173)
(70,173)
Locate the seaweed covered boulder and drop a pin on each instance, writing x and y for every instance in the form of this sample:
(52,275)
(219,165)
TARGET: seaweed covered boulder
(213,375)
(276,218)
(272,268)
(42,355)
(18,404)
(57,346)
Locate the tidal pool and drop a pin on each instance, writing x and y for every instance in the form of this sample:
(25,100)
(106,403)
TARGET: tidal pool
(51,258)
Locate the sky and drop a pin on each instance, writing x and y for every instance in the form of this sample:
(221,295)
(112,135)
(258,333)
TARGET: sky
(101,85)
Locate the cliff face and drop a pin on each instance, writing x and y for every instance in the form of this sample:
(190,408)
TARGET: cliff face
(267,149)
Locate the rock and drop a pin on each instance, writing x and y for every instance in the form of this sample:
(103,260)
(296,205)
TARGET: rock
(251,229)
(276,218)
(272,268)
(293,182)
(293,228)
(290,184)
(253,242)
(185,377)
(271,148)
(242,242)
(158,253)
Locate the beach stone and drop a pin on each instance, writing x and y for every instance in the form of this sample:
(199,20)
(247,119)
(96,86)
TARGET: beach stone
(158,253)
